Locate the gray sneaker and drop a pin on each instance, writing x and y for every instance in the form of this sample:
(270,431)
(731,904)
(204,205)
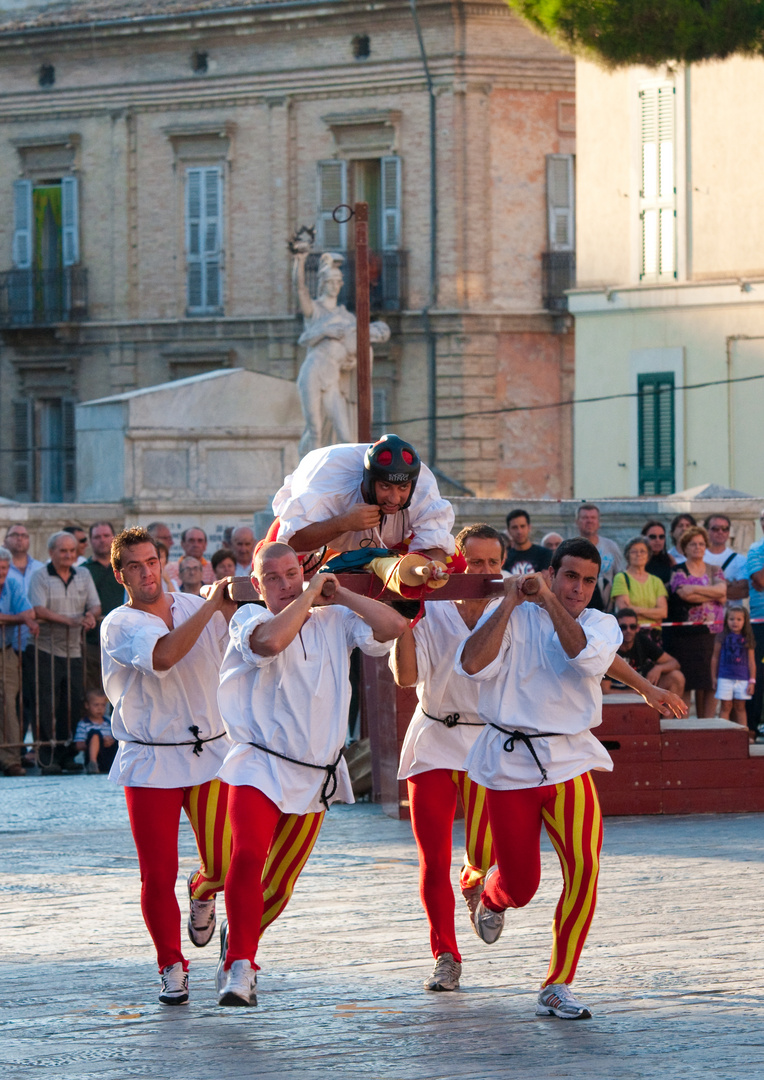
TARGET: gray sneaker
(557,1000)
(445,974)
(472,897)
(174,985)
(488,924)
(92,767)
(240,986)
(201,917)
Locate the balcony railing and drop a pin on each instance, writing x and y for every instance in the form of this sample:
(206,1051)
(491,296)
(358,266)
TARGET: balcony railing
(388,282)
(558,273)
(43,297)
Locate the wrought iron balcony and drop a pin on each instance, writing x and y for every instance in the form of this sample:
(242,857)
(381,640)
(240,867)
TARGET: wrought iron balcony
(558,273)
(388,282)
(43,297)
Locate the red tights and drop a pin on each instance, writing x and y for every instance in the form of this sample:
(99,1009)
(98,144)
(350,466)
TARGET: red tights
(571,815)
(269,851)
(432,796)
(154,820)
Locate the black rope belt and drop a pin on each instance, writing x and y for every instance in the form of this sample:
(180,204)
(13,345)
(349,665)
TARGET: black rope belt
(452,719)
(197,742)
(524,738)
(330,770)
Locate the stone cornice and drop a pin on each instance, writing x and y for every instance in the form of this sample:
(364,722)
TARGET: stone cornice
(517,73)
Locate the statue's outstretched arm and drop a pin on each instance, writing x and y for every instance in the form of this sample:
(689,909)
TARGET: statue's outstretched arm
(298,276)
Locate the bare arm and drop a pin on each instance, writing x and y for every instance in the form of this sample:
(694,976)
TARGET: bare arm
(404,663)
(569,630)
(737,590)
(358,518)
(88,620)
(664,701)
(655,614)
(273,636)
(715,662)
(174,646)
(298,276)
(482,646)
(751,666)
(699,594)
(757,580)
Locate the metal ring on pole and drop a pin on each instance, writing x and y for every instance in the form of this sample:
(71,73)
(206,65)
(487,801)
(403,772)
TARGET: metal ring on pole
(343,220)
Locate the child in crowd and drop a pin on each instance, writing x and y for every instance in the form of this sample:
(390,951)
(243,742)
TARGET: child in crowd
(733,665)
(93,733)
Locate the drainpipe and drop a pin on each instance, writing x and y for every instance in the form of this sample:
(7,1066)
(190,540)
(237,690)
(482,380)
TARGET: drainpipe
(432,299)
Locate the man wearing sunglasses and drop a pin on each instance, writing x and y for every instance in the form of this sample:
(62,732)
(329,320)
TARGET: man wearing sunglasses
(647,658)
(719,553)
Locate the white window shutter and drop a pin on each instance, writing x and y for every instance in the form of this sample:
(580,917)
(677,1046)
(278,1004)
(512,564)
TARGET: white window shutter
(70,230)
(22,224)
(658,189)
(204,238)
(391,203)
(331,235)
(560,200)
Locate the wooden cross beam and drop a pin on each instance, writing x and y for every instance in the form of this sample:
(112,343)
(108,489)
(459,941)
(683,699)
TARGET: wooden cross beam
(458,587)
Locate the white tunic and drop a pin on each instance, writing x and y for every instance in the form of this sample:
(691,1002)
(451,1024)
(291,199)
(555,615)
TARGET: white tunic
(161,706)
(327,482)
(534,686)
(295,703)
(441,692)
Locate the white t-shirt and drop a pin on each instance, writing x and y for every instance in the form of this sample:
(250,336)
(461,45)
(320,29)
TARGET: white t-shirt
(327,482)
(430,744)
(295,703)
(534,686)
(161,706)
(734,571)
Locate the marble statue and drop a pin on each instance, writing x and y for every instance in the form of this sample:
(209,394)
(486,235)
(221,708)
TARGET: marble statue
(329,338)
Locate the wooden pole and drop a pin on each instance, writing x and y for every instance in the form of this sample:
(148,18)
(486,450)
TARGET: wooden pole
(363,370)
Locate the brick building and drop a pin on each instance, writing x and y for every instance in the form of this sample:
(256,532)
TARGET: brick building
(156,156)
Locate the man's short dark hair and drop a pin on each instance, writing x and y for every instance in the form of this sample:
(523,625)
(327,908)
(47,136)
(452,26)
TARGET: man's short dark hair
(97,523)
(587,506)
(712,517)
(577,548)
(516,514)
(480,531)
(188,530)
(129,538)
(74,529)
(626,612)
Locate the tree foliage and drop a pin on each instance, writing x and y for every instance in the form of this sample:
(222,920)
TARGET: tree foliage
(619,32)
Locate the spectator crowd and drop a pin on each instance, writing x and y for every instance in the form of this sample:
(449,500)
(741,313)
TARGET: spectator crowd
(687,603)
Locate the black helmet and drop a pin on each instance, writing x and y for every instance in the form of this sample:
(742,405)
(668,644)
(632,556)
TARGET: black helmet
(393,461)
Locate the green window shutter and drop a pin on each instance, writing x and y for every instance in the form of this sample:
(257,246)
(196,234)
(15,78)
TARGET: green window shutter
(655,418)
(658,182)
(23,449)
(331,235)
(68,451)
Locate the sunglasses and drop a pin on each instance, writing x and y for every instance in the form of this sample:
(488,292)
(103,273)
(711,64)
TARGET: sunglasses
(656,536)
(719,528)
(629,625)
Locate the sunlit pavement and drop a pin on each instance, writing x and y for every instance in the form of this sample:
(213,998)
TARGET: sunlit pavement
(672,971)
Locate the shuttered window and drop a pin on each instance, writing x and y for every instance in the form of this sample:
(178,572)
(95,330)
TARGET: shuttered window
(656,433)
(391,203)
(70,230)
(331,235)
(204,240)
(23,450)
(658,184)
(560,200)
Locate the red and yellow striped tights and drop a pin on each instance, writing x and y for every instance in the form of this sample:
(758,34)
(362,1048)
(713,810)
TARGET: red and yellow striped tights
(571,815)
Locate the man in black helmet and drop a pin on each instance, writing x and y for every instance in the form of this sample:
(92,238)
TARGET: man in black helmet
(352,495)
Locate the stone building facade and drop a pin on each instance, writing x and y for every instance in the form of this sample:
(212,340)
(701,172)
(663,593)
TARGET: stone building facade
(154,163)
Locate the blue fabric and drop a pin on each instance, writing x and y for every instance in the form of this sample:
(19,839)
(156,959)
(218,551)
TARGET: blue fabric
(13,600)
(754,562)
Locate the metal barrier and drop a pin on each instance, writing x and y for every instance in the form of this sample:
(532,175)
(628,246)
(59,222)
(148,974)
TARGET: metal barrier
(41,694)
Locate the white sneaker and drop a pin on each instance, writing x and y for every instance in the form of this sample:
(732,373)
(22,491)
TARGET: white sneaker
(445,974)
(174,985)
(240,985)
(220,972)
(201,917)
(557,1000)
(488,924)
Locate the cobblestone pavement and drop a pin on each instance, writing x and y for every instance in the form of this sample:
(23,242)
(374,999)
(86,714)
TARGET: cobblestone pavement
(673,969)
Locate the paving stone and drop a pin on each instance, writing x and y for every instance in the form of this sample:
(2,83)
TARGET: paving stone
(672,970)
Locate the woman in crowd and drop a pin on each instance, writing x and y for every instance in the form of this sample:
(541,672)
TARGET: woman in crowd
(698,593)
(162,551)
(223,564)
(680,524)
(660,562)
(635,588)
